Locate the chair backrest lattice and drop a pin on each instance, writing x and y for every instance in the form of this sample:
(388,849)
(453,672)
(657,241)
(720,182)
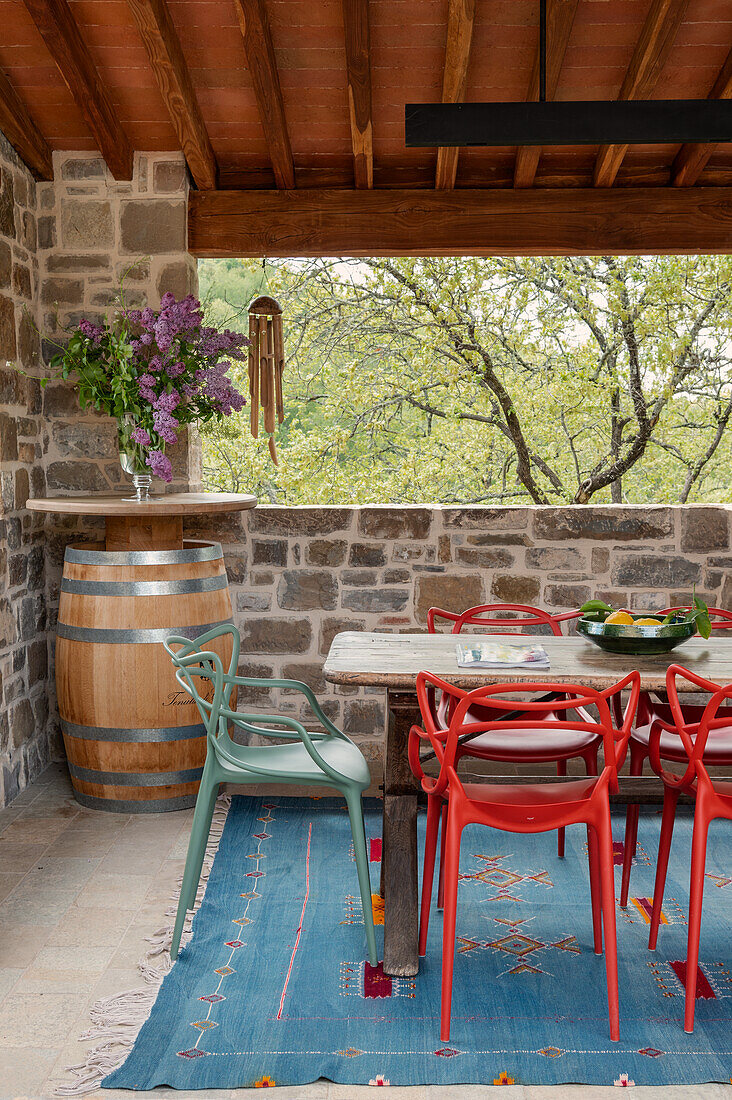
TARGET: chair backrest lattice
(693,735)
(506,618)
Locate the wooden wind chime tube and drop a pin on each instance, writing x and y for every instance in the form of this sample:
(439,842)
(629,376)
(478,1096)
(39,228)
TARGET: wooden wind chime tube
(266,364)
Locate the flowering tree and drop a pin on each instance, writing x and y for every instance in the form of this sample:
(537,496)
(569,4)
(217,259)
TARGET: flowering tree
(155,371)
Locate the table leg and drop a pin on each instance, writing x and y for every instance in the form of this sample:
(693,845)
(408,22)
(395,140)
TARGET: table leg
(399,857)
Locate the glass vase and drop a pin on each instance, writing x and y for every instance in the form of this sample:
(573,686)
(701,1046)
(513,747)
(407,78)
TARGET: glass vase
(132,459)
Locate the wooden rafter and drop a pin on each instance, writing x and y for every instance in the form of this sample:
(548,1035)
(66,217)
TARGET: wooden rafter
(649,57)
(560,18)
(71,55)
(265,78)
(22,132)
(460,19)
(692,158)
(174,80)
(358,65)
(563,221)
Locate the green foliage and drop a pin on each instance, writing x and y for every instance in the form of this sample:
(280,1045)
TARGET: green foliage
(487,380)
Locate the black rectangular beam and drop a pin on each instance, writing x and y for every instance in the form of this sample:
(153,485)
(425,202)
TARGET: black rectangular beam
(585,122)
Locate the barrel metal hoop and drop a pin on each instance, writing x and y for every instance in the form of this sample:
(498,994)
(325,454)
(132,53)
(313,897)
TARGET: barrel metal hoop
(120,636)
(204,551)
(135,805)
(135,779)
(138,736)
(143,588)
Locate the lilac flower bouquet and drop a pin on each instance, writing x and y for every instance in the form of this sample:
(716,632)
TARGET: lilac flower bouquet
(154,371)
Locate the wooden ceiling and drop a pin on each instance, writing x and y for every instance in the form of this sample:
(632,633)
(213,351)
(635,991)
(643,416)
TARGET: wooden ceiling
(308,95)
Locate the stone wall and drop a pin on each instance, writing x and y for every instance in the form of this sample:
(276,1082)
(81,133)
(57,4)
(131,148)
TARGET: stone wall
(65,247)
(298,576)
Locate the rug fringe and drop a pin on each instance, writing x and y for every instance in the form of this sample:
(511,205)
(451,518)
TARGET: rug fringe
(116,1021)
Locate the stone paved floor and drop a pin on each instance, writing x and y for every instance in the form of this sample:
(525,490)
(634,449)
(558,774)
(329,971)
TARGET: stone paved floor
(79,892)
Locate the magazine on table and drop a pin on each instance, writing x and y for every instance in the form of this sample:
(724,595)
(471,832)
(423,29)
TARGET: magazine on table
(490,654)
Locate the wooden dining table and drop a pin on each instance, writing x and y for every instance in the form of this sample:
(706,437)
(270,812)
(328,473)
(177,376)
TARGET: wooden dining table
(392,662)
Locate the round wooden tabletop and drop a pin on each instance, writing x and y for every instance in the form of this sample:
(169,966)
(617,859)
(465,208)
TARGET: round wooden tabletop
(174,504)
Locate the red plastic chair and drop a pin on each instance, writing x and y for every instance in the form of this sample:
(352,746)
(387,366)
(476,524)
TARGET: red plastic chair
(520,808)
(713,799)
(533,751)
(650,710)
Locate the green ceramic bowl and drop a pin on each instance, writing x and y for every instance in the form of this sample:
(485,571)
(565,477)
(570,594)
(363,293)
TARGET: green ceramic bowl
(636,640)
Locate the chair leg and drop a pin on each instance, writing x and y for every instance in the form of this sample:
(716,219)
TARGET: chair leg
(670,798)
(200,829)
(452,862)
(434,809)
(637,758)
(605,841)
(441,876)
(595,888)
(696,892)
(355,812)
(561,771)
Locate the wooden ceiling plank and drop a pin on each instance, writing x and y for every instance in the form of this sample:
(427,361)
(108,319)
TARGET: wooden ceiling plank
(267,89)
(559,21)
(358,66)
(176,87)
(499,222)
(651,52)
(692,158)
(63,38)
(22,132)
(460,20)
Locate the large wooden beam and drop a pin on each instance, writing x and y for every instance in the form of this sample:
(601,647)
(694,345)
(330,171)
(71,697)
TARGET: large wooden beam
(69,51)
(692,158)
(22,132)
(265,78)
(174,80)
(649,57)
(358,65)
(565,221)
(460,18)
(559,21)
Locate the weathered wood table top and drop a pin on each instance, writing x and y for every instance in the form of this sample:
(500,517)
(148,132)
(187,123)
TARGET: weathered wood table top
(393,660)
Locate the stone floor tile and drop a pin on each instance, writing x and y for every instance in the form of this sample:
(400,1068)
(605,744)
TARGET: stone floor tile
(107,890)
(88,926)
(8,977)
(34,904)
(62,873)
(9,881)
(79,844)
(20,856)
(25,1019)
(20,943)
(477,1092)
(23,1070)
(122,859)
(362,1092)
(37,829)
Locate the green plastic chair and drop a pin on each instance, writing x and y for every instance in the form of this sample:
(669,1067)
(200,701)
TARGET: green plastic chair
(325,759)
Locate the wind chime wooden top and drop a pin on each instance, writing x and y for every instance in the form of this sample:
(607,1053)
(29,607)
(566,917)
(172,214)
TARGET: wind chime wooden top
(266,364)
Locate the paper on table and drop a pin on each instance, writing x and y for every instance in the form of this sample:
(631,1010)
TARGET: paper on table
(501,655)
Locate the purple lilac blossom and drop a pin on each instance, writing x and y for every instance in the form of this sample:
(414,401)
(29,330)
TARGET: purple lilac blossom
(167,402)
(141,436)
(91,331)
(160,465)
(164,424)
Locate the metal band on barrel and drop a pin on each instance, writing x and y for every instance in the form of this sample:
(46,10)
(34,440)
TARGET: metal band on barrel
(100,635)
(206,551)
(143,588)
(135,805)
(135,779)
(140,736)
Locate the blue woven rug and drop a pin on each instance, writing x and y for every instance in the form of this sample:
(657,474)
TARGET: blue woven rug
(273,987)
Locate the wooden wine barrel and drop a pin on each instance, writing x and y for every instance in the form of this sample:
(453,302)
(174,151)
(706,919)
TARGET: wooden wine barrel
(134,739)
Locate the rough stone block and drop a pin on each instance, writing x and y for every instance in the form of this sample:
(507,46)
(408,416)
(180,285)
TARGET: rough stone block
(307,590)
(169,176)
(67,292)
(8,438)
(29,343)
(250,601)
(375,599)
(704,529)
(308,672)
(60,399)
(236,567)
(13,389)
(364,716)
(388,522)
(484,557)
(360,577)
(397,576)
(326,552)
(269,552)
(85,438)
(566,596)
(178,277)
(487,519)
(551,557)
(22,488)
(6,264)
(330,627)
(83,168)
(513,588)
(152,226)
(47,231)
(81,477)
(609,523)
(30,236)
(87,223)
(7,204)
(22,723)
(600,559)
(299,521)
(7,329)
(364,554)
(452,592)
(271,635)
(654,571)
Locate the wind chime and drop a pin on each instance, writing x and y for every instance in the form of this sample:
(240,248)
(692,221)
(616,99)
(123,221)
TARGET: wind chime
(266,363)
